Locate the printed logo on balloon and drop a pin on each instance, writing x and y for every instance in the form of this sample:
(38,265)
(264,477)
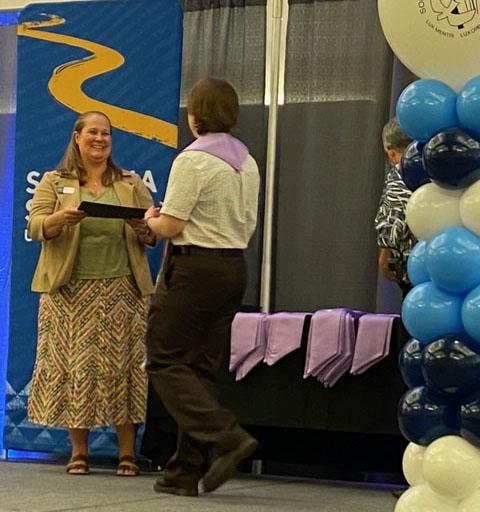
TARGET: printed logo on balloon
(439,41)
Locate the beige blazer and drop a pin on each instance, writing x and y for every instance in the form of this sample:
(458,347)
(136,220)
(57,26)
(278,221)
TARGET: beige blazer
(57,257)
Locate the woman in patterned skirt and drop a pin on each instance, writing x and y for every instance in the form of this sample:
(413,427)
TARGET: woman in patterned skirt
(94,280)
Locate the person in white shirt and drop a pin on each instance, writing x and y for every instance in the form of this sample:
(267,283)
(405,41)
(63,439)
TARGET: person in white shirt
(209,215)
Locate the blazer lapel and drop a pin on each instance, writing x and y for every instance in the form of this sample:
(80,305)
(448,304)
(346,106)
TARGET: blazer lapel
(125,191)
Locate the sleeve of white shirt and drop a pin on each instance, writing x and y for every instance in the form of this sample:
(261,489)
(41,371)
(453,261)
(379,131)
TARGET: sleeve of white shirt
(183,188)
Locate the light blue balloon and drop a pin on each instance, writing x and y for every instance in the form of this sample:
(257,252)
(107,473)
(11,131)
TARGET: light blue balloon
(425,108)
(471,313)
(417,265)
(430,313)
(468,105)
(453,260)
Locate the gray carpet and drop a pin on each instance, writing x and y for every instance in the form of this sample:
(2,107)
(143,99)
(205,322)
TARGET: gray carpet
(47,488)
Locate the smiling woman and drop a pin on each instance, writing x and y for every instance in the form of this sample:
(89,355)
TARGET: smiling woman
(93,279)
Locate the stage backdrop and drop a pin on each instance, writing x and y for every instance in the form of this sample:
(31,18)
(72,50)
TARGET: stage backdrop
(122,58)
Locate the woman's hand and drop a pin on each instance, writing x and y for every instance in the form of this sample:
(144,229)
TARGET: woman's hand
(72,216)
(139,226)
(141,229)
(54,223)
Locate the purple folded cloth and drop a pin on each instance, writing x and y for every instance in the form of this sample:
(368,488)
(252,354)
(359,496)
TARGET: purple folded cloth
(223,146)
(324,340)
(332,373)
(248,342)
(284,335)
(373,341)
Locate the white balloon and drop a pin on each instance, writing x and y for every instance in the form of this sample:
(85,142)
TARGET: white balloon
(434,38)
(412,464)
(451,466)
(422,499)
(470,504)
(470,208)
(431,209)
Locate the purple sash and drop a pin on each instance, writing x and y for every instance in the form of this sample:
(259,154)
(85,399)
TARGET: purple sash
(373,341)
(284,335)
(327,328)
(223,146)
(330,375)
(248,342)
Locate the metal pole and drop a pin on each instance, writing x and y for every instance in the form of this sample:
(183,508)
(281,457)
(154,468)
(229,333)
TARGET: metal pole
(273,64)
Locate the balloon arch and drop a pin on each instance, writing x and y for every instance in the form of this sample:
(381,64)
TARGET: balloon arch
(439,41)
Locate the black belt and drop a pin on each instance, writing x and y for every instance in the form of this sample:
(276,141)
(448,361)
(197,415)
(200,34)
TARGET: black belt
(189,250)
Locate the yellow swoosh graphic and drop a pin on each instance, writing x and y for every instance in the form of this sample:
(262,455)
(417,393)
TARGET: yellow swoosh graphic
(66,81)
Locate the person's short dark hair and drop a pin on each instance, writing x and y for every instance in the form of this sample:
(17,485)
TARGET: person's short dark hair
(394,137)
(214,105)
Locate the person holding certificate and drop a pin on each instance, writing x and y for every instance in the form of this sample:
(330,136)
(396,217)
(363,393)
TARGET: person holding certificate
(94,280)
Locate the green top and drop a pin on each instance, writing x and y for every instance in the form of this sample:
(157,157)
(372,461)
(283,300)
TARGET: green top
(102,252)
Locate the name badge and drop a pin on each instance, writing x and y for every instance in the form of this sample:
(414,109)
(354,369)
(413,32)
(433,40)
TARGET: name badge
(65,190)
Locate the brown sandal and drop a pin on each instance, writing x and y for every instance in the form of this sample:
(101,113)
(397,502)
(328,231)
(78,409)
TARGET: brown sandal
(78,465)
(127,463)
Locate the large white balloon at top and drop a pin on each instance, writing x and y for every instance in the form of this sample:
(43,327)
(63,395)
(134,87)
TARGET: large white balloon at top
(434,38)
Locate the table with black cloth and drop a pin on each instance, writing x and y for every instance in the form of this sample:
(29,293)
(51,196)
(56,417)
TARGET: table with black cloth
(348,431)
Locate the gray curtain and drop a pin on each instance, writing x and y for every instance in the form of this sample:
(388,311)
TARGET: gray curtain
(226,39)
(330,170)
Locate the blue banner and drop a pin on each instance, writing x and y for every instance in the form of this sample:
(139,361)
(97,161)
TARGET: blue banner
(122,58)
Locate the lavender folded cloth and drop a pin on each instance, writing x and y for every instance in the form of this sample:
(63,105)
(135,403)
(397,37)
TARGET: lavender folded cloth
(284,335)
(248,342)
(331,374)
(246,332)
(373,341)
(324,340)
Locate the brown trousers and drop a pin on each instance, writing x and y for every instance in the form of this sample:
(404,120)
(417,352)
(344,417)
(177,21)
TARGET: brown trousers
(188,331)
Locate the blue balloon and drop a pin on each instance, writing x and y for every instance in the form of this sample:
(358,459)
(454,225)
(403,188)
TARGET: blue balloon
(451,366)
(430,313)
(471,313)
(417,264)
(470,420)
(410,363)
(426,107)
(424,417)
(452,158)
(468,105)
(453,260)
(412,170)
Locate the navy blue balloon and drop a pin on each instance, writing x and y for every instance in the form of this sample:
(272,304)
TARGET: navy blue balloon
(451,366)
(452,158)
(424,417)
(412,170)
(470,420)
(410,363)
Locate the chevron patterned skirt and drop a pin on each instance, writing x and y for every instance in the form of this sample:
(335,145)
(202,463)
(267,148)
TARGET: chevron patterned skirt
(89,371)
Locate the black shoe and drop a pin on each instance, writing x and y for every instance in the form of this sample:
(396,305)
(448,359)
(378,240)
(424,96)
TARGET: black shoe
(225,466)
(161,485)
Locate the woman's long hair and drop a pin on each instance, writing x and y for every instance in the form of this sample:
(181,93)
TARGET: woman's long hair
(72,166)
